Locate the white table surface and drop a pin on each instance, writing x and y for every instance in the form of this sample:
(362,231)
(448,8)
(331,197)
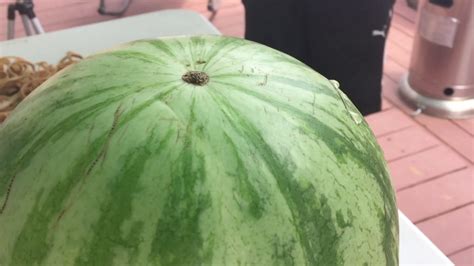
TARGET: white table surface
(415,247)
(51,47)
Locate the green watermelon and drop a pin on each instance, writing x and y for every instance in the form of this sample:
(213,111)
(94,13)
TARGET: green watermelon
(201,150)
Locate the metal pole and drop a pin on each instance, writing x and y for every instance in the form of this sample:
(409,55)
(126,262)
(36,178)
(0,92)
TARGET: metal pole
(213,5)
(29,8)
(22,9)
(11,21)
(103,10)
(26,24)
(37,25)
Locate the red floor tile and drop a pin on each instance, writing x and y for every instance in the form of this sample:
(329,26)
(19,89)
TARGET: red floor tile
(230,16)
(466,124)
(402,9)
(403,24)
(451,134)
(386,104)
(392,69)
(390,92)
(406,142)
(453,231)
(437,196)
(463,258)
(425,165)
(388,121)
(401,39)
(398,53)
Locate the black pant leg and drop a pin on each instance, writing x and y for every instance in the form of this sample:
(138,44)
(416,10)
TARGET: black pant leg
(277,24)
(346,42)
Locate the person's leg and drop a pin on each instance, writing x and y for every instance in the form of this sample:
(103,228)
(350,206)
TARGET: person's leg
(346,43)
(277,24)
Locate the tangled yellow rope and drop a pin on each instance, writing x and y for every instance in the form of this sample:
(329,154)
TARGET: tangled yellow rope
(18,78)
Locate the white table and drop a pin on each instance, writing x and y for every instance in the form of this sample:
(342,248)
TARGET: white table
(52,46)
(415,247)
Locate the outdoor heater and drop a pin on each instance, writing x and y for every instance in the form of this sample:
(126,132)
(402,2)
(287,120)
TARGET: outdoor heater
(440,80)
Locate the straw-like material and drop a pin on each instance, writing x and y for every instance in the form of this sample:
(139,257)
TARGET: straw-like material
(19,77)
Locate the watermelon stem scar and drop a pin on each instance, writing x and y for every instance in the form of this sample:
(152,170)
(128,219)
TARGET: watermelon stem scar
(198,78)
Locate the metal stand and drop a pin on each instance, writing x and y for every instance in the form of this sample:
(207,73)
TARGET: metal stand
(213,5)
(28,17)
(458,109)
(103,10)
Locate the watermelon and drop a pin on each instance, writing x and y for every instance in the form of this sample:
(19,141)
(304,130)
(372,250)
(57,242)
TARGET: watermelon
(188,151)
